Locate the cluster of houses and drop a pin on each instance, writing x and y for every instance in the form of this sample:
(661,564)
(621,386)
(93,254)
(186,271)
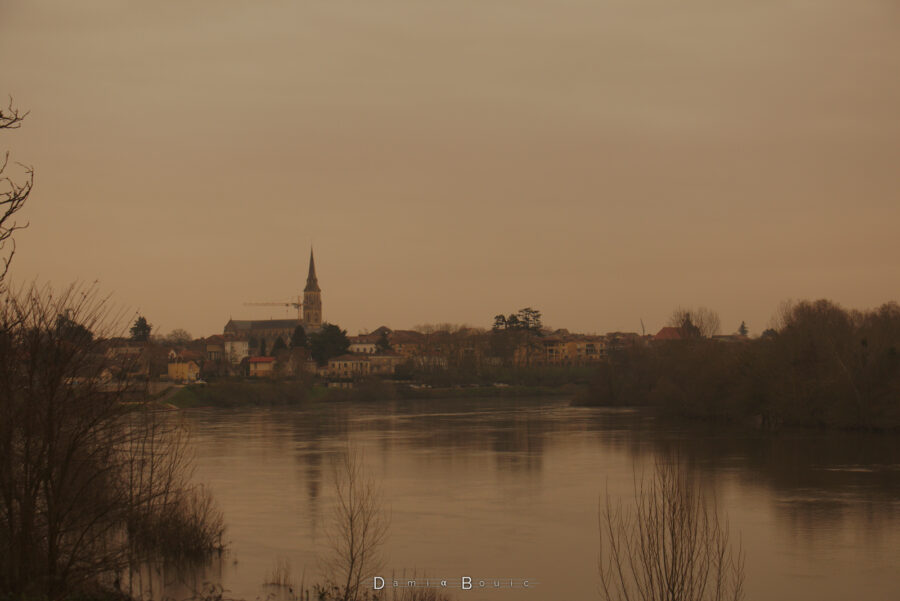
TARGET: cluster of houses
(382,351)
(379,353)
(274,347)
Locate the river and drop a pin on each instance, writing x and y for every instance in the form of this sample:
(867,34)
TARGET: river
(510,489)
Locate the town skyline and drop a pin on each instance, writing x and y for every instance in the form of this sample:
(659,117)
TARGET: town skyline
(604,163)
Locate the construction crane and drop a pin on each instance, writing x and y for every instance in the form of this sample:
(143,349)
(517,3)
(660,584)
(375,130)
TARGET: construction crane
(297,304)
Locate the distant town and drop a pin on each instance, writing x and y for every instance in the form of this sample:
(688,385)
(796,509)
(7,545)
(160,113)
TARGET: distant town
(309,346)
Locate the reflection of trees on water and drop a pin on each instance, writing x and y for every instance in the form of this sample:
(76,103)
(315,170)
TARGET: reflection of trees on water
(820,480)
(513,435)
(310,461)
(183,579)
(824,489)
(519,443)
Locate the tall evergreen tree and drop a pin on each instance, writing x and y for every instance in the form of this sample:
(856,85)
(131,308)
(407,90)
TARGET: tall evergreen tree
(140,331)
(298,338)
(383,344)
(330,341)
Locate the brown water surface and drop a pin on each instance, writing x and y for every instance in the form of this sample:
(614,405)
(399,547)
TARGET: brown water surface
(510,489)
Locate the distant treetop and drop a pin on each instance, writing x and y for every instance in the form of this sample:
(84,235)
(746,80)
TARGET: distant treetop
(527,319)
(140,331)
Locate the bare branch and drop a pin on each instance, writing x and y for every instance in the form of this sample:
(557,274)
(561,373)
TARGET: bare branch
(13,194)
(358,528)
(90,478)
(11,117)
(671,545)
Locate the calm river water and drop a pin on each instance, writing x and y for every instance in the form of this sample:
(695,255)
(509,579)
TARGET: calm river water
(502,488)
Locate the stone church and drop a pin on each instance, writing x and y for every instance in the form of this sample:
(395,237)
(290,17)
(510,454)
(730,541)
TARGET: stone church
(268,331)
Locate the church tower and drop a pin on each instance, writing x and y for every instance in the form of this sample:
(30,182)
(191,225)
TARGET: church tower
(312,299)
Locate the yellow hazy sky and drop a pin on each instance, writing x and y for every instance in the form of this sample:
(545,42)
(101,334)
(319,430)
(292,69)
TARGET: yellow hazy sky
(601,160)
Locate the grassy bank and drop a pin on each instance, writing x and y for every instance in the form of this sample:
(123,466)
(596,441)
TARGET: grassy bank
(233,393)
(243,393)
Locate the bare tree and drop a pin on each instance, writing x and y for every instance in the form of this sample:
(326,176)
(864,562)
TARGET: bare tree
(696,322)
(357,531)
(178,336)
(670,546)
(13,194)
(88,476)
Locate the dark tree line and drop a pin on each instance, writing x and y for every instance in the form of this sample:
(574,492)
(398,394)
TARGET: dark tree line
(822,366)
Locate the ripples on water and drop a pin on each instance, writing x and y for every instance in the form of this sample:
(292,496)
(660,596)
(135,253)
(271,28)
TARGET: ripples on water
(500,488)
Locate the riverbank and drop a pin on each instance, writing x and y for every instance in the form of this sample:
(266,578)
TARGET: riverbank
(280,393)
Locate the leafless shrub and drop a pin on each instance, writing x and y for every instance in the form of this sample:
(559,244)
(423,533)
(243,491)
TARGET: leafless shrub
(88,482)
(281,574)
(357,531)
(419,594)
(407,593)
(670,546)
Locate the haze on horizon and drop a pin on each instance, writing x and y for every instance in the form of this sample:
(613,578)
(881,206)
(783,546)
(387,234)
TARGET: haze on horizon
(603,161)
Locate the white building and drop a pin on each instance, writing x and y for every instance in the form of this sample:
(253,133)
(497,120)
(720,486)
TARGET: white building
(236,350)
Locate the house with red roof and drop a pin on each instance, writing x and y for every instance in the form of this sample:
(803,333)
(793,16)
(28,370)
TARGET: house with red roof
(261,367)
(668,333)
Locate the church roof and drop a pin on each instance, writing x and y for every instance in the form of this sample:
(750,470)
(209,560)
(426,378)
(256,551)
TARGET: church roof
(668,333)
(312,284)
(247,325)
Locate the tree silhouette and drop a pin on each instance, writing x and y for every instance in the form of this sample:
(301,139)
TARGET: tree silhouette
(330,341)
(525,319)
(384,343)
(179,336)
(13,194)
(298,338)
(140,331)
(670,545)
(695,323)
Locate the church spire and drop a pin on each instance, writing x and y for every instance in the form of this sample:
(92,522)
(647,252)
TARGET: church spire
(312,299)
(312,284)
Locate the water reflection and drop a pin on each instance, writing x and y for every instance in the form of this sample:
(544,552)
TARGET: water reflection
(471,481)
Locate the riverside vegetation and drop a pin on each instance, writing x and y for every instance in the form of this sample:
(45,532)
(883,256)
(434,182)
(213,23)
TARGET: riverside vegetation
(669,543)
(821,366)
(416,384)
(91,486)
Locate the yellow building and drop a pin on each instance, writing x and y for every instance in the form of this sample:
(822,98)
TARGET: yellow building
(561,350)
(184,371)
(385,363)
(262,367)
(349,366)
